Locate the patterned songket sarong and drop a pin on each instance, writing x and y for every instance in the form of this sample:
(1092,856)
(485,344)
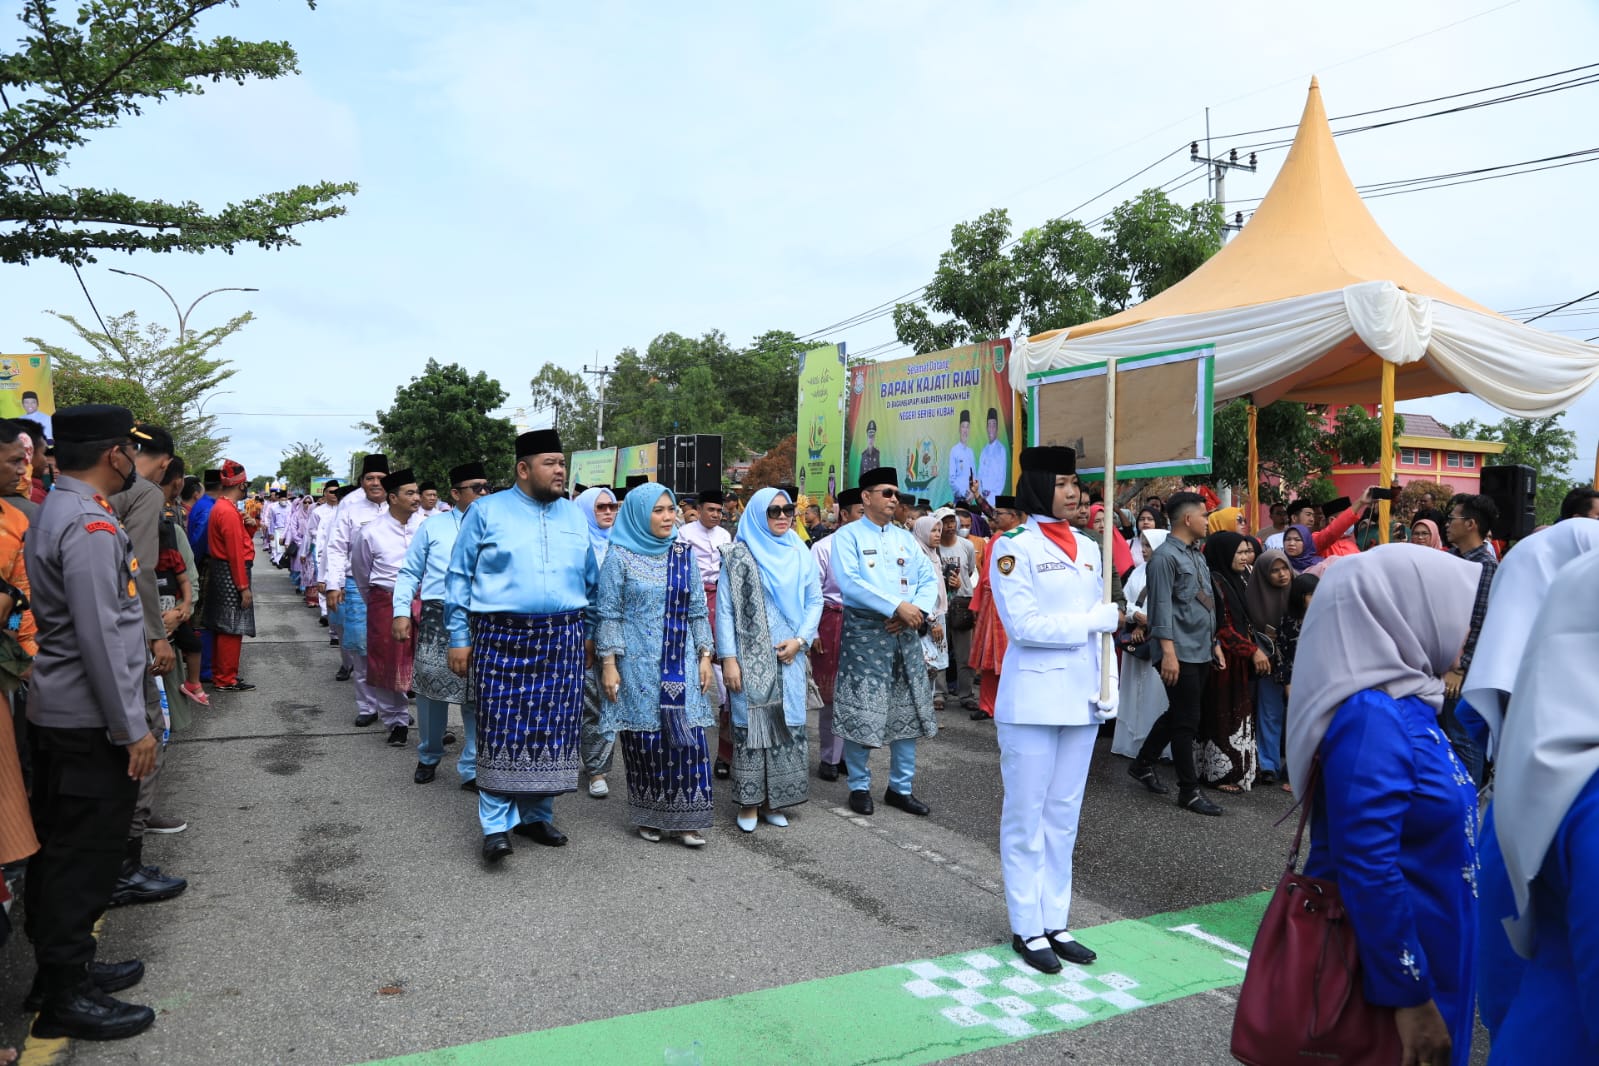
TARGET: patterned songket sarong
(224,611)
(432,677)
(824,656)
(528,671)
(388,661)
(883,693)
(772,777)
(668,788)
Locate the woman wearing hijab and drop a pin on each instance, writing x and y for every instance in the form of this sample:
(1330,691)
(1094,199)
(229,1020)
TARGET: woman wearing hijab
(1225,742)
(1047,585)
(1299,545)
(652,631)
(935,645)
(599,506)
(1227,520)
(1521,587)
(1121,554)
(1143,694)
(1546,804)
(1393,813)
(1266,600)
(1424,534)
(768,612)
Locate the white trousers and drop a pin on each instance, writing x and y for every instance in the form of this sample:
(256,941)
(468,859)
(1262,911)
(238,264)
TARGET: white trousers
(1045,769)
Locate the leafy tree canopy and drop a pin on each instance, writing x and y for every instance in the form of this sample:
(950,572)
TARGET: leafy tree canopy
(1296,444)
(303,462)
(1545,444)
(442,419)
(68,78)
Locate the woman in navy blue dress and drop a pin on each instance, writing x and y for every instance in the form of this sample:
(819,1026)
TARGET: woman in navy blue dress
(1546,807)
(1394,814)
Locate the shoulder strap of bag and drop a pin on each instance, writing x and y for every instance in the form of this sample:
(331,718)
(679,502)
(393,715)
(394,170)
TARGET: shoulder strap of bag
(1304,812)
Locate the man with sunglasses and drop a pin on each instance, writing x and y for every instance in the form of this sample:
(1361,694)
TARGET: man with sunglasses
(427,564)
(707,537)
(883,695)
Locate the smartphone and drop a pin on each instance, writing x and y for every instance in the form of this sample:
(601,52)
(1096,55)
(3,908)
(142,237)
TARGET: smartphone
(1384,494)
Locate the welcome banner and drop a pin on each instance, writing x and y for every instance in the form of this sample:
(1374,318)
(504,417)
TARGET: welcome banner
(819,441)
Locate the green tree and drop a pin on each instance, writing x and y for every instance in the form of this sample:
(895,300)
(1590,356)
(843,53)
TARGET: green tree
(303,462)
(68,78)
(1544,444)
(1296,446)
(442,419)
(72,387)
(1056,275)
(176,374)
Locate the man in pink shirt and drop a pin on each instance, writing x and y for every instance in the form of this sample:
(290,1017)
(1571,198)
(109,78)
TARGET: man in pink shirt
(707,537)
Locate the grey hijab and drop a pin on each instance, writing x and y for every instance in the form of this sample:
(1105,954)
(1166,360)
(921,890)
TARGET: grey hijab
(1392,618)
(1549,743)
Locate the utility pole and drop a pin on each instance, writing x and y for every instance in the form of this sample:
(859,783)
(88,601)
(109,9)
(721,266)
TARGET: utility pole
(600,372)
(1218,173)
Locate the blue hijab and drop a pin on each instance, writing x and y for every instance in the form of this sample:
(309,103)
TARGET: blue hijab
(632,529)
(599,539)
(786,565)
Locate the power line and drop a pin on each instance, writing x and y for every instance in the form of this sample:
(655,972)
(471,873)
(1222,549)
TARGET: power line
(1568,303)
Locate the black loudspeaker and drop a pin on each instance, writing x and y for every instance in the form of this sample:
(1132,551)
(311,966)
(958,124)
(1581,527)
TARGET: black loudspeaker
(1514,490)
(689,463)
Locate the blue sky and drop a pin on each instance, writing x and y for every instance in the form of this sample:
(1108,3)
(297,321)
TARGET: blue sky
(551,182)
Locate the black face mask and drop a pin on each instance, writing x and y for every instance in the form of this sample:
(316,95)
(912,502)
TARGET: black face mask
(131,476)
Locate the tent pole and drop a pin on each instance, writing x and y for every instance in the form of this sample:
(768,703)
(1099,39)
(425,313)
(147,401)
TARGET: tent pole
(1253,511)
(1385,507)
(1107,642)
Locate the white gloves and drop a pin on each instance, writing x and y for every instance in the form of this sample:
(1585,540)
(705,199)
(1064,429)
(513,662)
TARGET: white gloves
(1104,618)
(1105,710)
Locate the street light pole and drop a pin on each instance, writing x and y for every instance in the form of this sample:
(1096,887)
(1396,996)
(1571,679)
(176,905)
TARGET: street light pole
(183,316)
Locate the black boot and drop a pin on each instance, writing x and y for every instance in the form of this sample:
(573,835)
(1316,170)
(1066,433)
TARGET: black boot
(74,1007)
(106,976)
(138,883)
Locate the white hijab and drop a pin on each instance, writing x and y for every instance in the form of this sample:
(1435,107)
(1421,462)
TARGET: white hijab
(1393,619)
(1135,583)
(1549,743)
(1520,586)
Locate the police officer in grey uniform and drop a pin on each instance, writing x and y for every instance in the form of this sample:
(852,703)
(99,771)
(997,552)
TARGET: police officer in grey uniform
(91,744)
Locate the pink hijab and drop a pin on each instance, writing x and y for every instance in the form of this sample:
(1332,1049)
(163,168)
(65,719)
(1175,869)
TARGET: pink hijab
(1432,528)
(1121,554)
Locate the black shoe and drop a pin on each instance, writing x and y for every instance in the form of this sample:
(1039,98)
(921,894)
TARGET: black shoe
(90,1014)
(323,620)
(398,736)
(364,720)
(333,642)
(424,773)
(449,738)
(107,977)
(469,786)
(1199,805)
(344,675)
(144,884)
(977,715)
(1267,777)
(906,802)
(1145,775)
(827,771)
(722,770)
(496,846)
(237,686)
(860,801)
(1041,959)
(541,833)
(1070,950)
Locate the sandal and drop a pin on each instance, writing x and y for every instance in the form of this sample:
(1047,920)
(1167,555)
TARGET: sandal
(196,694)
(652,835)
(1229,790)
(1286,787)
(691,839)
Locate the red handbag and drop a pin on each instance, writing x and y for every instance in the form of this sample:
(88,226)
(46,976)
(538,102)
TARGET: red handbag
(1301,1001)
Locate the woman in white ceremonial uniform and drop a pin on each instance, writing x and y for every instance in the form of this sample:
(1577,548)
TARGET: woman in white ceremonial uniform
(1046,580)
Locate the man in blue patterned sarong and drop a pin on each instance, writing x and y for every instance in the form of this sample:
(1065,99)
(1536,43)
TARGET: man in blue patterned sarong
(521,574)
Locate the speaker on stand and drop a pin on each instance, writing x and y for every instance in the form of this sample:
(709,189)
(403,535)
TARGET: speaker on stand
(1514,490)
(689,463)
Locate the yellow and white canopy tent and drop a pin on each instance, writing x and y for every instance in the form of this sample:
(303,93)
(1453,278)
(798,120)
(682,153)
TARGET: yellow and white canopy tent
(1312,302)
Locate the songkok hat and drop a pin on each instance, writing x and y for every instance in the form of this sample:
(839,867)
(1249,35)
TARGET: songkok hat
(460,475)
(1300,505)
(791,491)
(211,478)
(871,425)
(1006,503)
(87,423)
(883,475)
(538,442)
(716,496)
(332,483)
(427,486)
(1049,459)
(966,416)
(398,480)
(924,505)
(233,474)
(849,498)
(1334,508)
(993,415)
(343,490)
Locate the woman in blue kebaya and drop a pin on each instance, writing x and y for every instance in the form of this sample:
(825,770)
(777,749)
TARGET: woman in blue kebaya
(1393,813)
(1546,809)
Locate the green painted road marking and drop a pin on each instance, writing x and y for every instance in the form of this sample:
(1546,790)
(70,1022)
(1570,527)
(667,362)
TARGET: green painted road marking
(917,1012)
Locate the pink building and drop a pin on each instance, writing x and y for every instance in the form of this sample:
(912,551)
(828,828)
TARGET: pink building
(1425,451)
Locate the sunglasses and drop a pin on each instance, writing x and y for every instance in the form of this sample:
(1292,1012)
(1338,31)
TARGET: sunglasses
(476,486)
(888,494)
(607,507)
(780,511)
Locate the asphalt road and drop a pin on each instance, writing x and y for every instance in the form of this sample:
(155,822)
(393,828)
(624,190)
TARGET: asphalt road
(338,913)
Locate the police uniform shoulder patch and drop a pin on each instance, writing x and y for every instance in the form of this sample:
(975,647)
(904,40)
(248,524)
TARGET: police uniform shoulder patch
(1006,563)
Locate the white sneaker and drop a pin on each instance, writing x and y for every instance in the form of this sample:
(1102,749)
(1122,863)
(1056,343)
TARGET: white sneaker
(598,788)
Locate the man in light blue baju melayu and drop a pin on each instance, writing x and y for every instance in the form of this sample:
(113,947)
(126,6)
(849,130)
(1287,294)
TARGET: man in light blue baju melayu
(426,565)
(883,694)
(521,576)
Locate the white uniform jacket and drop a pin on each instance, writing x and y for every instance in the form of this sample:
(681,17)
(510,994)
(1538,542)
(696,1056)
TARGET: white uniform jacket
(1051,671)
